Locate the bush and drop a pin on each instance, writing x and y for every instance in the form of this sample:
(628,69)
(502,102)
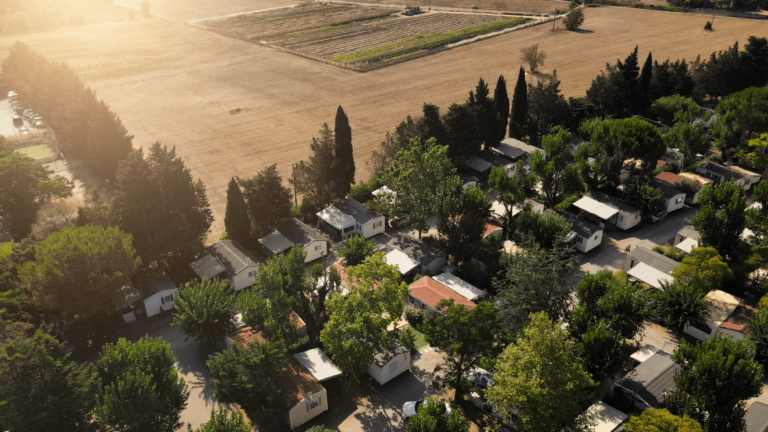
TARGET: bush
(408,339)
(574,19)
(414,316)
(708,26)
(568,202)
(763,304)
(363,191)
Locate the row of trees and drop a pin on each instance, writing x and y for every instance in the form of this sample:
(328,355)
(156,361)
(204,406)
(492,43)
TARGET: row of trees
(85,126)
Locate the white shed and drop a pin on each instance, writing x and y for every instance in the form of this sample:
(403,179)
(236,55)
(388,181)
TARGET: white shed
(460,286)
(304,398)
(727,315)
(159,294)
(388,365)
(403,262)
(610,209)
(318,364)
(605,418)
(228,258)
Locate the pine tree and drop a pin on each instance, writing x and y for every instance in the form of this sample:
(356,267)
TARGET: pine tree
(344,161)
(236,221)
(645,82)
(519,107)
(268,200)
(108,141)
(501,100)
(487,119)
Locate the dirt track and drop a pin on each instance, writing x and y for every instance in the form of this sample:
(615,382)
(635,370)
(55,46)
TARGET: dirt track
(178,84)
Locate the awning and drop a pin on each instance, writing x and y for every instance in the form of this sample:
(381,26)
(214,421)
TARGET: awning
(276,243)
(597,208)
(336,218)
(687,245)
(403,262)
(605,417)
(644,353)
(478,164)
(647,274)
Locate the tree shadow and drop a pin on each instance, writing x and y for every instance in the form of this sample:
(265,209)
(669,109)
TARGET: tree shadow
(583,31)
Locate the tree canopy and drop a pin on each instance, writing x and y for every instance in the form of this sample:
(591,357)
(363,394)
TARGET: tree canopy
(462,216)
(704,269)
(204,311)
(722,217)
(661,420)
(237,223)
(557,172)
(268,200)
(221,422)
(431,418)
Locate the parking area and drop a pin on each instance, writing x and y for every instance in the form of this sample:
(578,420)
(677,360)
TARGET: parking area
(7,129)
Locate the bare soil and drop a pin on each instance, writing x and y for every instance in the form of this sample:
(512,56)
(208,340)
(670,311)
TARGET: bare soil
(179,84)
(529,6)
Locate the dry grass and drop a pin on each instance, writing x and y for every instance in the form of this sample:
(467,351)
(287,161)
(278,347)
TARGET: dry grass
(178,84)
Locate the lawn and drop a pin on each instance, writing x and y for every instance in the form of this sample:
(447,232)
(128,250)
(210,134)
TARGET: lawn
(421,340)
(36,152)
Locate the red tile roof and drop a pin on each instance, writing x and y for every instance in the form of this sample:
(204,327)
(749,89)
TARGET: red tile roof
(669,177)
(297,382)
(297,319)
(489,228)
(660,163)
(246,335)
(431,292)
(739,318)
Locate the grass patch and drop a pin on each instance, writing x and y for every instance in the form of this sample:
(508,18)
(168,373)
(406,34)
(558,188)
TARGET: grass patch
(35,152)
(422,42)
(421,340)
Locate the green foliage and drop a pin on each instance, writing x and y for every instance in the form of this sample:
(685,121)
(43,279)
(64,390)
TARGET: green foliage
(344,162)
(462,215)
(519,112)
(741,116)
(42,389)
(678,303)
(574,19)
(320,428)
(670,79)
(142,390)
(357,325)
(558,174)
(609,312)
(314,179)
(565,204)
(408,339)
(512,191)
(661,8)
(463,134)
(715,379)
(24,187)
(547,109)
(355,249)
(758,332)
(363,191)
(616,91)
(418,172)
(540,380)
(413,315)
(249,375)
(157,202)
(221,422)
(465,336)
(268,200)
(668,108)
(534,280)
(501,102)
(688,138)
(81,270)
(237,224)
(722,217)
(547,230)
(646,198)
(491,123)
(661,420)
(204,311)
(704,269)
(432,419)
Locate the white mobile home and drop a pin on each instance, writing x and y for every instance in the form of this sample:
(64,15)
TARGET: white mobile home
(649,267)
(295,232)
(610,210)
(430,259)
(159,294)
(226,258)
(304,398)
(727,316)
(584,236)
(460,286)
(687,239)
(389,364)
(722,173)
(348,217)
(673,198)
(515,150)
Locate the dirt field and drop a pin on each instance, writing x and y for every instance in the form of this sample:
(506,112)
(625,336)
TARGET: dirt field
(178,84)
(531,6)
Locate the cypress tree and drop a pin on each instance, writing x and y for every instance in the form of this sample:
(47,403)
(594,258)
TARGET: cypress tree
(501,100)
(108,141)
(344,161)
(236,220)
(519,107)
(645,81)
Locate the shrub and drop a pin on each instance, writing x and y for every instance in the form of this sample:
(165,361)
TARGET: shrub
(763,304)
(574,19)
(408,339)
(413,316)
(708,26)
(568,202)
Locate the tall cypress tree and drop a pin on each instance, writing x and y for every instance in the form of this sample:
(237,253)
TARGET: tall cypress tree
(501,100)
(519,107)
(344,161)
(108,141)
(236,220)
(645,82)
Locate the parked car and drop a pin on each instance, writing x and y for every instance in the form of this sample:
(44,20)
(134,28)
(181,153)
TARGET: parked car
(18,121)
(36,119)
(19,108)
(399,221)
(411,408)
(12,94)
(39,125)
(23,131)
(27,113)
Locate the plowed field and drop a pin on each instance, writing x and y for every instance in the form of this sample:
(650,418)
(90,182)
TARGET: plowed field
(178,84)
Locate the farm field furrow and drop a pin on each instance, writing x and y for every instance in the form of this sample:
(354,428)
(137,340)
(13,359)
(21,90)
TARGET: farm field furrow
(177,84)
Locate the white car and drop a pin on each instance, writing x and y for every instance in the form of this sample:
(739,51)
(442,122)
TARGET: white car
(12,93)
(23,131)
(411,408)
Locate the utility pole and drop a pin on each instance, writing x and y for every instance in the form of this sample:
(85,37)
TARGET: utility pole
(554,20)
(295,198)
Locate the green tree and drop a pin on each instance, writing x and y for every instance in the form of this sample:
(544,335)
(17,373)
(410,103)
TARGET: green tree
(644,83)
(268,200)
(678,303)
(418,174)
(249,375)
(740,117)
(431,125)
(142,390)
(540,380)
(313,179)
(722,217)
(344,161)
(704,269)
(511,191)
(669,107)
(547,108)
(236,220)
(670,79)
(574,19)
(534,280)
(661,420)
(715,379)
(548,230)
(501,100)
(757,216)
(462,215)
(646,198)
(221,422)
(616,91)
(204,311)
(157,202)
(608,313)
(558,174)
(488,120)
(81,271)
(432,418)
(24,187)
(357,325)
(519,112)
(758,334)
(42,389)
(463,134)
(466,336)
(108,141)
(320,428)
(355,250)
(690,139)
